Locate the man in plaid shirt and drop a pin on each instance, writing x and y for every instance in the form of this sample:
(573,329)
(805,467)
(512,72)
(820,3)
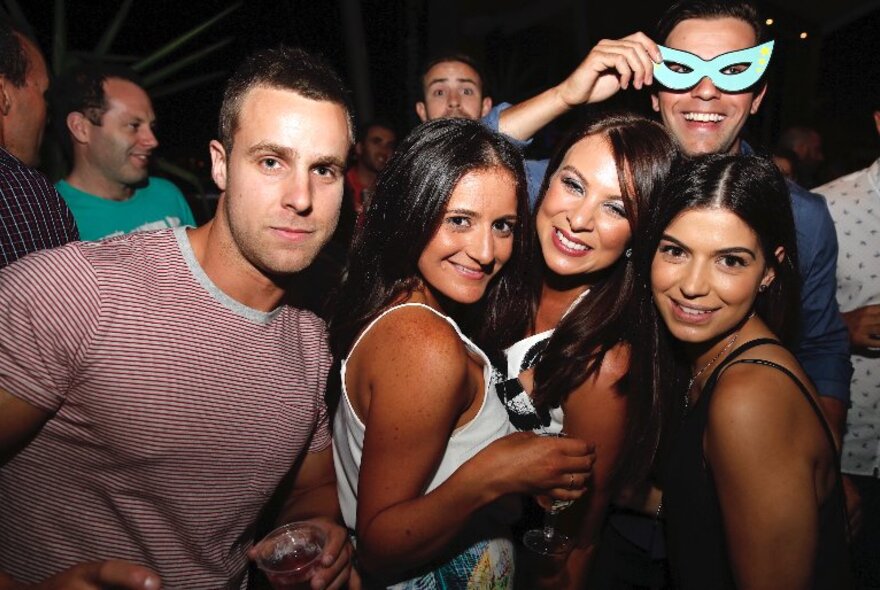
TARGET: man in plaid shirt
(32,214)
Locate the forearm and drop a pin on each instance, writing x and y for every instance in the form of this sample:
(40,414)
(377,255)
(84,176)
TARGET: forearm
(411,533)
(524,119)
(318,501)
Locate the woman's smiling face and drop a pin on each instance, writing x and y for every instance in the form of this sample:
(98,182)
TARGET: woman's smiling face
(706,273)
(581,223)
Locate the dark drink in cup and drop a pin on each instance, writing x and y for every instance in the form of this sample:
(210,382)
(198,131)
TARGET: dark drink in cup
(288,555)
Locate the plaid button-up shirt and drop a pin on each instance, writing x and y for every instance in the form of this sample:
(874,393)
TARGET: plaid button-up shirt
(33,216)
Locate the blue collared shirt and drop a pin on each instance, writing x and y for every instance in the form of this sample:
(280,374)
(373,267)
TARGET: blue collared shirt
(823,347)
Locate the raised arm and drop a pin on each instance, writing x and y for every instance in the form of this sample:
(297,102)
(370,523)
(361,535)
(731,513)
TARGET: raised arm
(421,389)
(612,65)
(761,444)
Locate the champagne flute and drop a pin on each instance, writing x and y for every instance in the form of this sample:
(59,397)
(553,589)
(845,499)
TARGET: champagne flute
(547,540)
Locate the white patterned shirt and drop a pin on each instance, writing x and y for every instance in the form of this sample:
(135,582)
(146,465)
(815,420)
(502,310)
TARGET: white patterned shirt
(854,202)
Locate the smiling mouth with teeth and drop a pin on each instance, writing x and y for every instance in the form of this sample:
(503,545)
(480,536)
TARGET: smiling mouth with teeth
(704,117)
(569,244)
(692,311)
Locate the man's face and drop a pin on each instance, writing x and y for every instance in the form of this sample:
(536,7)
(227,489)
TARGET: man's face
(119,148)
(452,89)
(26,119)
(705,120)
(375,149)
(282,180)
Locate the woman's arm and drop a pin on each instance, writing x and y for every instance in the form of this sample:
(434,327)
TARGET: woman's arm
(420,387)
(760,444)
(596,413)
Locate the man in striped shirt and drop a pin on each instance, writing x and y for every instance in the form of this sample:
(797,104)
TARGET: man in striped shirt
(32,214)
(156,389)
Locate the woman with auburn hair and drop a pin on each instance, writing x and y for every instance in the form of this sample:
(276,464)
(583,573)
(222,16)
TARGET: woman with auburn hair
(597,192)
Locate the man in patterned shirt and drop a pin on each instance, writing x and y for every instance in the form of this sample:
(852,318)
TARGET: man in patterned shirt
(157,389)
(854,201)
(32,214)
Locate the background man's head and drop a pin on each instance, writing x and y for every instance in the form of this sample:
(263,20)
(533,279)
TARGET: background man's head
(705,119)
(105,120)
(805,142)
(286,128)
(24,80)
(453,86)
(375,144)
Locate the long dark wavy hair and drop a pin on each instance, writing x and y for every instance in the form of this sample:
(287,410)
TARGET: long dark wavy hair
(753,189)
(643,152)
(404,214)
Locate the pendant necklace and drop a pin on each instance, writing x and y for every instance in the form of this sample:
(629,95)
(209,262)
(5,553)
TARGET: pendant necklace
(687,401)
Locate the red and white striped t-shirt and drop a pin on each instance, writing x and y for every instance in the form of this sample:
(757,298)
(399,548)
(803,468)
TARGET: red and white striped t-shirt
(176,410)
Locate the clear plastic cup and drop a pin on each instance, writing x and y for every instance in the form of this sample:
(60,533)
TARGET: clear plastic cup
(288,555)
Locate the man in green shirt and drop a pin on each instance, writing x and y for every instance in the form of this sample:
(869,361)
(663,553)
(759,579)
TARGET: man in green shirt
(105,120)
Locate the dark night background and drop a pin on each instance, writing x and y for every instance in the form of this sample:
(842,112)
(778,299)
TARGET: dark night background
(831,80)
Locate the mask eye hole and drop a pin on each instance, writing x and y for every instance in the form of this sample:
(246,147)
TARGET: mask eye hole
(678,68)
(734,69)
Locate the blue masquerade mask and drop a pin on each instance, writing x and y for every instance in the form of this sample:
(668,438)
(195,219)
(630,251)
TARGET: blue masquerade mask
(730,72)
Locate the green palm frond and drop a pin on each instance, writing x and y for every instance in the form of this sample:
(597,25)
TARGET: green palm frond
(181,63)
(59,37)
(160,91)
(183,39)
(113,29)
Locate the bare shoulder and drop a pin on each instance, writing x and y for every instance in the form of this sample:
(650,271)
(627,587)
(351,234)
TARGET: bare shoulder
(615,366)
(749,386)
(758,404)
(412,341)
(600,394)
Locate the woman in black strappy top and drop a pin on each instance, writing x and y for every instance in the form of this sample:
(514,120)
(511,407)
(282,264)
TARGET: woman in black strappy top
(752,493)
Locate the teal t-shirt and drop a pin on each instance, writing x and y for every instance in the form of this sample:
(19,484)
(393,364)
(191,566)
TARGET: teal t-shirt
(158,204)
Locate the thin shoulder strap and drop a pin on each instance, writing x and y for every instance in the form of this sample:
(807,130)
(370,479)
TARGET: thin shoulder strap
(732,359)
(806,393)
(716,374)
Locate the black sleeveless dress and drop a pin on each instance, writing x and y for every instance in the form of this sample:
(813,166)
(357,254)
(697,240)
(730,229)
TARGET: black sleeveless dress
(696,543)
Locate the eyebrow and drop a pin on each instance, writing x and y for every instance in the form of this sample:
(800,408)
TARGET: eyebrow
(723,251)
(474,214)
(463,212)
(576,172)
(274,148)
(445,80)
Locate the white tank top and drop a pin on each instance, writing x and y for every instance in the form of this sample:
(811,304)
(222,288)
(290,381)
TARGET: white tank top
(489,424)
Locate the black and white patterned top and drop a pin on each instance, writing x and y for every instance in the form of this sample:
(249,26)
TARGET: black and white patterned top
(522,356)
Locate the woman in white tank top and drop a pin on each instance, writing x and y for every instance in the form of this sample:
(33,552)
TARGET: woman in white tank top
(422,445)
(596,191)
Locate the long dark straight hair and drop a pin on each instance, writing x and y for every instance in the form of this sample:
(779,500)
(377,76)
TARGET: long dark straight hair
(643,152)
(752,188)
(404,214)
